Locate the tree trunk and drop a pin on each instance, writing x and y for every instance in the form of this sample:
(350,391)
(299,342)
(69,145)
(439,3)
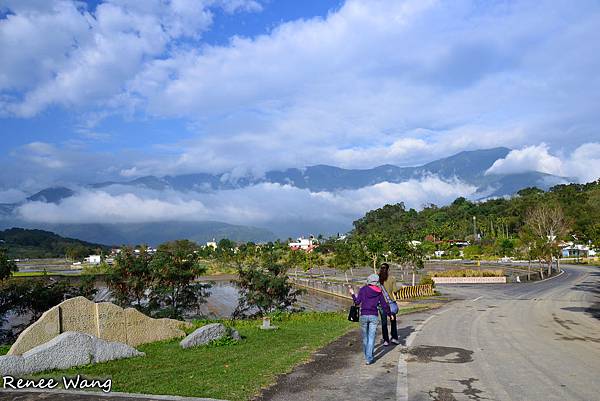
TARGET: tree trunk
(413,278)
(351,272)
(550,267)
(346,275)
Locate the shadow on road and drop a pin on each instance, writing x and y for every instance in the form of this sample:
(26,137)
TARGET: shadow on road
(381,350)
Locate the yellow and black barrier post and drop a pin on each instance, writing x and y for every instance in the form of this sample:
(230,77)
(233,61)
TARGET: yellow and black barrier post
(414,291)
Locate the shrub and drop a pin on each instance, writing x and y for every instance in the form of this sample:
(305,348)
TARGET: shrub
(427,280)
(468,273)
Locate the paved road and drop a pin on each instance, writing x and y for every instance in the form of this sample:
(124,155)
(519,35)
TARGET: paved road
(530,341)
(538,341)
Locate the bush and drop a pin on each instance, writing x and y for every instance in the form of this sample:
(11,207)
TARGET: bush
(468,273)
(427,280)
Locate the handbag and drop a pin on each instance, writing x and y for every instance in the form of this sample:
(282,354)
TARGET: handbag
(391,303)
(354,315)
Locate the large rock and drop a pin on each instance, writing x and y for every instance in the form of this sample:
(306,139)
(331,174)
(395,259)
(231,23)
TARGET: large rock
(103,320)
(65,351)
(204,335)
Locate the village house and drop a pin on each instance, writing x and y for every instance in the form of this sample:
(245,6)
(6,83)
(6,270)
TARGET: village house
(305,244)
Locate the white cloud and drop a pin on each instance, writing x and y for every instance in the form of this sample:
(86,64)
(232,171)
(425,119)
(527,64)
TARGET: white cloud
(12,195)
(77,57)
(583,164)
(44,154)
(263,204)
(530,158)
(347,89)
(373,82)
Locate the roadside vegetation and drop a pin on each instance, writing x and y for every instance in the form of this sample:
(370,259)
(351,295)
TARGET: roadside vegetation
(225,370)
(468,273)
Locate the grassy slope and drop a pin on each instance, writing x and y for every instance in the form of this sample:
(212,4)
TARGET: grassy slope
(232,371)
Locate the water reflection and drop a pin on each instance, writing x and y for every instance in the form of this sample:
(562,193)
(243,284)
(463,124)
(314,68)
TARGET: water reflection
(224,298)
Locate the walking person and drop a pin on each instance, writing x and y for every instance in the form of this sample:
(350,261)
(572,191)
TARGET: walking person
(369,297)
(388,286)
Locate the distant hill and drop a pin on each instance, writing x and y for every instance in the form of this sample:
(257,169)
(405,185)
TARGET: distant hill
(26,243)
(495,219)
(468,166)
(51,195)
(154,233)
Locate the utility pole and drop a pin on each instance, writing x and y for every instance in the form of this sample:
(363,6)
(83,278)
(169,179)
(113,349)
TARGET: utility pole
(474,229)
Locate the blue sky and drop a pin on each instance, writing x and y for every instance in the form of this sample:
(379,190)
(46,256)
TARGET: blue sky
(118,89)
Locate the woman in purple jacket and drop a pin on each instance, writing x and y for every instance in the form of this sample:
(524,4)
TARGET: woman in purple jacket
(369,296)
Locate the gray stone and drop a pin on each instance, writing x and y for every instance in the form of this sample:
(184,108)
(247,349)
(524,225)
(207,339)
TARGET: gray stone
(67,350)
(235,335)
(204,335)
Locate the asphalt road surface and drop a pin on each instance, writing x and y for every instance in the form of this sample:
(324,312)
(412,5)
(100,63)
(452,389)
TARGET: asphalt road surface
(528,341)
(535,341)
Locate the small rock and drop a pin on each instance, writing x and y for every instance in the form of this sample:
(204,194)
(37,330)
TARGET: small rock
(204,335)
(235,335)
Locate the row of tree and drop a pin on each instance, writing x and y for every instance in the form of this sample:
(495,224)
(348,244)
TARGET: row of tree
(30,297)
(501,218)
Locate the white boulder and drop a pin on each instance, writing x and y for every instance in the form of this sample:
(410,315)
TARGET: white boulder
(65,351)
(204,335)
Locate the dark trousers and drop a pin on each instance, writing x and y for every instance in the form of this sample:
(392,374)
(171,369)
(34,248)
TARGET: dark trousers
(384,327)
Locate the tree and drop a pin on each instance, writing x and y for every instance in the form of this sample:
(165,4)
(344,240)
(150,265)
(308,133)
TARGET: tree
(130,277)
(7,266)
(547,224)
(175,267)
(264,285)
(374,246)
(77,252)
(342,258)
(408,253)
(293,258)
(30,298)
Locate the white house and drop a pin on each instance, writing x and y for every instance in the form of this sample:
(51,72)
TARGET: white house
(305,244)
(93,259)
(572,250)
(211,244)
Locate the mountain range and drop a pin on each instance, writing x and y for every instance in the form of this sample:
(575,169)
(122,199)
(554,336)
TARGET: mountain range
(469,167)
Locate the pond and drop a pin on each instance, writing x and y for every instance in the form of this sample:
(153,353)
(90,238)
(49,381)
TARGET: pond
(221,302)
(224,298)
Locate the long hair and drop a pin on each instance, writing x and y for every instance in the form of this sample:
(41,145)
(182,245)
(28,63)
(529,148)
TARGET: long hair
(384,270)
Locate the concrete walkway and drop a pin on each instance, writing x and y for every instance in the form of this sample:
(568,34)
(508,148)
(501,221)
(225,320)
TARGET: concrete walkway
(338,371)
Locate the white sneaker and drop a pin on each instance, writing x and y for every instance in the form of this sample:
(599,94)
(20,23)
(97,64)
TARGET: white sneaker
(395,341)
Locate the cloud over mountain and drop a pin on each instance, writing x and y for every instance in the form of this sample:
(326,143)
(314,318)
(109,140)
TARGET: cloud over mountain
(265,204)
(583,163)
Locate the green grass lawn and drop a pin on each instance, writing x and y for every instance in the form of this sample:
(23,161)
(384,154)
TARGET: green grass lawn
(234,371)
(40,274)
(226,370)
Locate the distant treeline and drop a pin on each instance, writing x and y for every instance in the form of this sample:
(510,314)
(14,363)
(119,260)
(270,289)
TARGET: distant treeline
(494,218)
(24,243)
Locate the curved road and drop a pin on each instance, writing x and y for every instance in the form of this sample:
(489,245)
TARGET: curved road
(537,341)
(529,341)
